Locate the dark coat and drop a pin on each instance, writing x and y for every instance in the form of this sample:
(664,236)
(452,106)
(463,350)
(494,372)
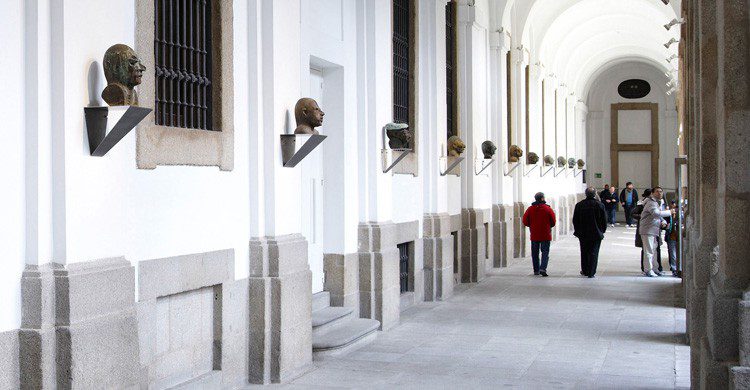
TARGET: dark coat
(539,218)
(623,197)
(606,195)
(589,220)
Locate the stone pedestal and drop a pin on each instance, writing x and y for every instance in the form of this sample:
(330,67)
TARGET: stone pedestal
(502,235)
(521,243)
(79,326)
(342,280)
(280,299)
(379,290)
(472,245)
(438,257)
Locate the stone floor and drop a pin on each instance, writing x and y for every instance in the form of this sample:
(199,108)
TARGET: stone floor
(516,330)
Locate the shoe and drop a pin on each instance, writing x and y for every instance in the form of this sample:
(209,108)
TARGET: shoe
(651,274)
(591,276)
(675,274)
(536,273)
(583,273)
(543,273)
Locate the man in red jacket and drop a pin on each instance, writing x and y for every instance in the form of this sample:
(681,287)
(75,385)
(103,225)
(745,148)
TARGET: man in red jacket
(540,218)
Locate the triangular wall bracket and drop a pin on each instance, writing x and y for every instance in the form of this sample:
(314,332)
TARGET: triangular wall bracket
(106,125)
(295,147)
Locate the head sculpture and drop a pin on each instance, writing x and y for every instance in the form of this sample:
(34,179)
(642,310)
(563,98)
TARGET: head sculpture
(399,136)
(515,153)
(549,160)
(308,115)
(571,162)
(532,158)
(581,163)
(123,71)
(455,146)
(560,161)
(488,149)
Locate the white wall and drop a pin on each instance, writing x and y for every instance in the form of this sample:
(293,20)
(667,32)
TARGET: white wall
(12,204)
(602,94)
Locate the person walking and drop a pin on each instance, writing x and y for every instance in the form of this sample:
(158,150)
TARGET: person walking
(540,219)
(628,200)
(589,225)
(651,223)
(609,199)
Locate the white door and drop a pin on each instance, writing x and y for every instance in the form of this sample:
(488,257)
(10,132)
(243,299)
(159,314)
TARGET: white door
(312,195)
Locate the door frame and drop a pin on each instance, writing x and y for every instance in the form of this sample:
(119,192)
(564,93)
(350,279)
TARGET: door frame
(616,147)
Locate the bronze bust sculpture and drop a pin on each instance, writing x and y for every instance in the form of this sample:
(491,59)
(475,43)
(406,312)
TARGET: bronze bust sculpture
(308,115)
(560,161)
(532,158)
(581,163)
(123,71)
(515,153)
(399,136)
(488,149)
(549,160)
(455,146)
(571,162)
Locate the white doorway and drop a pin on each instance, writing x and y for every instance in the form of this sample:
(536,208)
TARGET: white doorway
(311,189)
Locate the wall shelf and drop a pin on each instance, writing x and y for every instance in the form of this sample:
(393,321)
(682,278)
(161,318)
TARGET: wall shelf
(544,173)
(295,147)
(561,170)
(452,164)
(106,125)
(533,168)
(389,162)
(512,165)
(483,165)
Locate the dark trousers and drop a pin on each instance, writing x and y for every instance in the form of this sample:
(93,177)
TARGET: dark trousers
(611,215)
(536,246)
(629,214)
(589,256)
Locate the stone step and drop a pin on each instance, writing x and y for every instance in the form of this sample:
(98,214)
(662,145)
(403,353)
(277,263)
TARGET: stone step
(328,317)
(343,337)
(321,300)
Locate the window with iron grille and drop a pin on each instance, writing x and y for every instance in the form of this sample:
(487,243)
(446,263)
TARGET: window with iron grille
(403,255)
(450,67)
(401,60)
(183,63)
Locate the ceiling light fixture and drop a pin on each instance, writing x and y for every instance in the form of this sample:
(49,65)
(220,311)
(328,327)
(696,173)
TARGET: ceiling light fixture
(671,41)
(672,58)
(666,2)
(674,22)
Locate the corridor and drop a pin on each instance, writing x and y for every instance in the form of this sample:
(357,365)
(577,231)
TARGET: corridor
(619,330)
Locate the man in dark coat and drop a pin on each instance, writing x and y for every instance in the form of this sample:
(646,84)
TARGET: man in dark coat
(589,224)
(609,199)
(628,200)
(540,219)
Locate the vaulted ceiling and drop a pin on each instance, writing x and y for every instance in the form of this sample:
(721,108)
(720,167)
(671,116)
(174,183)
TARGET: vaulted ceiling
(578,39)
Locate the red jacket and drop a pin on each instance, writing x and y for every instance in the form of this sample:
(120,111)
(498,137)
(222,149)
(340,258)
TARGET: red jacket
(540,218)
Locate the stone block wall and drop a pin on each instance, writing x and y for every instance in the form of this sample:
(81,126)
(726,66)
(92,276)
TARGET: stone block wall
(438,257)
(9,364)
(502,235)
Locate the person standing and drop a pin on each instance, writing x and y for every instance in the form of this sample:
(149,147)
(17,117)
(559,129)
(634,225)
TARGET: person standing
(651,223)
(638,242)
(628,200)
(670,237)
(540,219)
(604,192)
(609,199)
(589,224)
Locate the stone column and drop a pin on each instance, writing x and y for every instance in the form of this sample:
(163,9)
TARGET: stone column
(79,327)
(472,245)
(520,236)
(280,302)
(342,279)
(502,235)
(379,290)
(438,257)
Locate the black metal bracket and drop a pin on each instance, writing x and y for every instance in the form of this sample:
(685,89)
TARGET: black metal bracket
(550,169)
(533,168)
(102,137)
(564,169)
(292,154)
